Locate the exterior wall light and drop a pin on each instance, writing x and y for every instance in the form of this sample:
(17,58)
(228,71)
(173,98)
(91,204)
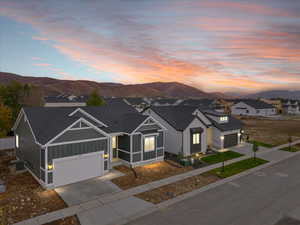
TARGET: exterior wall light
(222,138)
(105,156)
(197,155)
(50,167)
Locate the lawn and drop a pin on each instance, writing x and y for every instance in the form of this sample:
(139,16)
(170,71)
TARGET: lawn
(262,144)
(24,197)
(272,131)
(219,157)
(292,149)
(237,167)
(147,173)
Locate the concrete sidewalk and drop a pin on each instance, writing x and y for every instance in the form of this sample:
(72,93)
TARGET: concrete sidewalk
(111,199)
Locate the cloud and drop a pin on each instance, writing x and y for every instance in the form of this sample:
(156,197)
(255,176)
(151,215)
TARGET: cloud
(42,64)
(207,44)
(40,38)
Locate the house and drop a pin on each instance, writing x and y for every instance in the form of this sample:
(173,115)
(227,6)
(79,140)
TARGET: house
(277,103)
(291,107)
(213,104)
(191,130)
(65,101)
(165,102)
(63,145)
(251,107)
(138,103)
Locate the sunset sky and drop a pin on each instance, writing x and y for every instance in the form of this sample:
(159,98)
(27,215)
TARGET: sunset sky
(213,45)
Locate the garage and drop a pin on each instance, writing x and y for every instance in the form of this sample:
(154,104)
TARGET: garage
(230,140)
(77,168)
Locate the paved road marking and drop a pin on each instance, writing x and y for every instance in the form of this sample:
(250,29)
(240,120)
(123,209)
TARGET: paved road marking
(234,184)
(281,174)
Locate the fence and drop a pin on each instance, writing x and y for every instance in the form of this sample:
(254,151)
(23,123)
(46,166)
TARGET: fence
(7,143)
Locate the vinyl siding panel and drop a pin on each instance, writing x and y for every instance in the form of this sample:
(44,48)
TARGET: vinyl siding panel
(61,151)
(148,127)
(82,134)
(160,139)
(28,150)
(124,143)
(136,143)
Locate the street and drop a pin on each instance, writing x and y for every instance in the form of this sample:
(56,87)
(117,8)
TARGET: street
(262,198)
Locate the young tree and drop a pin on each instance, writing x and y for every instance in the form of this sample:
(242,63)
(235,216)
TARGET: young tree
(254,149)
(5,120)
(95,99)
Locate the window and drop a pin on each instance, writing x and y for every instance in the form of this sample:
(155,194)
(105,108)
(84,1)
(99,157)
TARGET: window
(114,142)
(17,141)
(223,118)
(149,144)
(196,138)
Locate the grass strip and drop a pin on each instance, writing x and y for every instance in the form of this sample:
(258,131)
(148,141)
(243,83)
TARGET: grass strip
(292,149)
(237,167)
(220,157)
(262,144)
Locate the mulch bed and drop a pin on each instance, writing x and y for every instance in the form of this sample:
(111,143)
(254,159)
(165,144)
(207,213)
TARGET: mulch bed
(147,174)
(24,197)
(170,191)
(72,220)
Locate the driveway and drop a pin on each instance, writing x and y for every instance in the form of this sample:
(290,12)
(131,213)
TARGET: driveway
(246,149)
(80,192)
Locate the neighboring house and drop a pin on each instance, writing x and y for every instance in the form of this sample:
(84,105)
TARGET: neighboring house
(62,145)
(291,107)
(277,103)
(138,103)
(190,130)
(65,101)
(213,104)
(250,107)
(165,102)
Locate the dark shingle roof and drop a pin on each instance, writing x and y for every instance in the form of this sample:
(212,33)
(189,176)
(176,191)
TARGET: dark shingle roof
(232,124)
(257,104)
(47,122)
(198,102)
(165,101)
(135,101)
(178,117)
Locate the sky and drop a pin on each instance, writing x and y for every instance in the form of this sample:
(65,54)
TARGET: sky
(214,45)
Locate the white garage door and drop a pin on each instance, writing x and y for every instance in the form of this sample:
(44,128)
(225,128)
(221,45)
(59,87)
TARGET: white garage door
(77,168)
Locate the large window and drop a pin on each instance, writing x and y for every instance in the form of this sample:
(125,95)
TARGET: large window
(17,141)
(149,144)
(196,138)
(114,142)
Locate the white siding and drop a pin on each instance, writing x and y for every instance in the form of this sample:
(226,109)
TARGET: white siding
(217,142)
(244,109)
(187,137)
(173,138)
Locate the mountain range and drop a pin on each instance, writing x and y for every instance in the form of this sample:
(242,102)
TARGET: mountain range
(51,86)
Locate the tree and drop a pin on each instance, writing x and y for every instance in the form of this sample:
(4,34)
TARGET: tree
(5,120)
(254,149)
(95,99)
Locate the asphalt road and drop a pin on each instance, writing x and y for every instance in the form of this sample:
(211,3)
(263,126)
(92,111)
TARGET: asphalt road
(262,198)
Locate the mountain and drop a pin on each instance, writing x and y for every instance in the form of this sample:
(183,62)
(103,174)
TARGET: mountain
(285,94)
(51,86)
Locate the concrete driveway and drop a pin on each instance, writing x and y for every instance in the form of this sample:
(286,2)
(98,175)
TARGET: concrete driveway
(80,192)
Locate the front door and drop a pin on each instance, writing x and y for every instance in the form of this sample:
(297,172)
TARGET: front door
(195,142)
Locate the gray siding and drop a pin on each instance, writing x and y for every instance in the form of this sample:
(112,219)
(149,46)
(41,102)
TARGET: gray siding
(60,151)
(43,175)
(50,178)
(124,143)
(43,158)
(160,152)
(136,143)
(124,155)
(148,127)
(136,157)
(160,139)
(82,134)
(149,155)
(28,150)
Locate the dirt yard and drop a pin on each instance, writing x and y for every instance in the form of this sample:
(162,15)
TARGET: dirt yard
(272,131)
(24,197)
(169,191)
(147,174)
(72,220)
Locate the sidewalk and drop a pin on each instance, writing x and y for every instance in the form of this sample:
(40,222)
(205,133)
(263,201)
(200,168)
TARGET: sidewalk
(96,209)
